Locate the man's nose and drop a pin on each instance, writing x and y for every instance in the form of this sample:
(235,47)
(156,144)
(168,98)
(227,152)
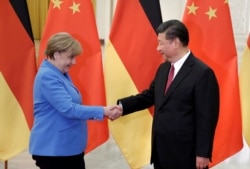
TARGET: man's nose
(158,48)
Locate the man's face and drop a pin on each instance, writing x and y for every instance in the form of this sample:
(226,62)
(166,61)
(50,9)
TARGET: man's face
(166,47)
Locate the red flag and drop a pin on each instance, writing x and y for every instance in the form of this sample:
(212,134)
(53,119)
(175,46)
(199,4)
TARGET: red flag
(211,39)
(131,61)
(17,72)
(77,18)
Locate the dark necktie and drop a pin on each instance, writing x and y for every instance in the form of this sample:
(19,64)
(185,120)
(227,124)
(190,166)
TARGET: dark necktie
(170,77)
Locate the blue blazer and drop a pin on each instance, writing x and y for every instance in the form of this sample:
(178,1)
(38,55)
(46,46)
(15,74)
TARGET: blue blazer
(60,127)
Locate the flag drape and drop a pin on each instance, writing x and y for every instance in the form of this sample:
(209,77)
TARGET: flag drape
(131,60)
(77,18)
(245,91)
(17,72)
(211,39)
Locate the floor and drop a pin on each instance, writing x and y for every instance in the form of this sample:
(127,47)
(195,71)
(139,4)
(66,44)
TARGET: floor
(97,159)
(108,156)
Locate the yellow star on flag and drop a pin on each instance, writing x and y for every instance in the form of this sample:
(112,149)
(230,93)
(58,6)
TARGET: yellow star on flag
(211,13)
(57,4)
(192,9)
(75,7)
(226,1)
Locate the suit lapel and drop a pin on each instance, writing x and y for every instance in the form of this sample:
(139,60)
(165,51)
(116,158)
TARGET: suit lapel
(65,77)
(183,72)
(69,81)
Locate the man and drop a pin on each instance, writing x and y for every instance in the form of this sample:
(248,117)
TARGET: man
(186,112)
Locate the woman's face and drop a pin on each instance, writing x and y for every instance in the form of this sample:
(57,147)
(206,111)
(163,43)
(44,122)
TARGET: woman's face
(64,60)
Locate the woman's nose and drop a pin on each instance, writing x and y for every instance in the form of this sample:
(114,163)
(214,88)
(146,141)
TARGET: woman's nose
(73,61)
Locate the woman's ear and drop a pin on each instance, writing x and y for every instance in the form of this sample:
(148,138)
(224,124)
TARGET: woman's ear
(56,55)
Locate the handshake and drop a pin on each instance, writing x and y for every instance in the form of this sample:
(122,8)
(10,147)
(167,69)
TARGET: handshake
(113,112)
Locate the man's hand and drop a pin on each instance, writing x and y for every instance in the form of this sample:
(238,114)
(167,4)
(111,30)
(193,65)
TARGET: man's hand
(113,112)
(201,162)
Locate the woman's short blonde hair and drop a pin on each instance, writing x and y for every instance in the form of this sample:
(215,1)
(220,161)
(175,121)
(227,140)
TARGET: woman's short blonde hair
(62,42)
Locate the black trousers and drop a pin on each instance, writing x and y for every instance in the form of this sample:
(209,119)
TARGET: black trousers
(157,167)
(60,162)
(157,164)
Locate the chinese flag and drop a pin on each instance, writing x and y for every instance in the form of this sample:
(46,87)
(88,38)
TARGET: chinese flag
(211,39)
(17,72)
(131,60)
(77,18)
(245,91)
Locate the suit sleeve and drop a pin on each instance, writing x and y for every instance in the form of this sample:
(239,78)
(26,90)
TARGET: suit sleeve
(207,112)
(138,102)
(60,99)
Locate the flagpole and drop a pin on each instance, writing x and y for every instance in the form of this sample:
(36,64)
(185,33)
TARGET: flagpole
(6,164)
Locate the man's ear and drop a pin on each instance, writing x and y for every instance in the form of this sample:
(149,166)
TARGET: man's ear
(177,42)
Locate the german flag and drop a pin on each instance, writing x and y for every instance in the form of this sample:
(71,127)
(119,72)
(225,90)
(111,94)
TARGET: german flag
(245,91)
(131,60)
(17,72)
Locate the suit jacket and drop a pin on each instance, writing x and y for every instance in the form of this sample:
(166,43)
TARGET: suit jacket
(59,118)
(185,117)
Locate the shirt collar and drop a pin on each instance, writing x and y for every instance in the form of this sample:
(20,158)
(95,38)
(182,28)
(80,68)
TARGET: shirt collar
(179,63)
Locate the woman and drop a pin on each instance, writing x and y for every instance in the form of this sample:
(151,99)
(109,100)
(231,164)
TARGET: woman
(59,135)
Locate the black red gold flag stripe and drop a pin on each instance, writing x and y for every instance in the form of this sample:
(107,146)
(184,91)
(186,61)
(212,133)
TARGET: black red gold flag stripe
(17,72)
(244,79)
(131,60)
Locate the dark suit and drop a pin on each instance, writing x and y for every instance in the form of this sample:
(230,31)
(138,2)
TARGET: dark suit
(185,117)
